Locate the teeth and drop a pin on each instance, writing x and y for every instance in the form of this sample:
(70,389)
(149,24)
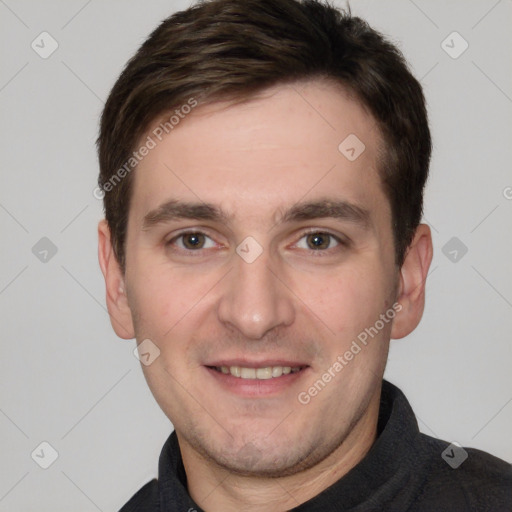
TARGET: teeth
(248,373)
(235,371)
(277,371)
(264,373)
(267,372)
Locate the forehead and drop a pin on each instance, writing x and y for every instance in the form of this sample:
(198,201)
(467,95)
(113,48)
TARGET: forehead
(292,142)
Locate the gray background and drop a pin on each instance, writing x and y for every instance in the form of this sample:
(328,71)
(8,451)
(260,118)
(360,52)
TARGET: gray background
(68,380)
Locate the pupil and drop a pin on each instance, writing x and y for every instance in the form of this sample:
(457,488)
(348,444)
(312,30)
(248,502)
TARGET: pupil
(193,240)
(318,241)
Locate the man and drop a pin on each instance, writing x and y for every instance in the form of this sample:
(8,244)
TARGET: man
(263,164)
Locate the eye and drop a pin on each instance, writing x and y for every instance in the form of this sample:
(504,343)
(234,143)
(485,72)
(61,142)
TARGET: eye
(191,241)
(318,241)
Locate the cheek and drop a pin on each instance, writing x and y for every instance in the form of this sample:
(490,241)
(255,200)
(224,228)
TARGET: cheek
(170,300)
(347,300)
(159,302)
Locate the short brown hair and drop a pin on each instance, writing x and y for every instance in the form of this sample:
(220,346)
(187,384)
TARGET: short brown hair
(232,49)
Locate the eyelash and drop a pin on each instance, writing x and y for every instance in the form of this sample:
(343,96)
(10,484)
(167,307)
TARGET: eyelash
(317,253)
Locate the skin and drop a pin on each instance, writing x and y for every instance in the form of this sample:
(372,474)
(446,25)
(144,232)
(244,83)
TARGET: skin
(256,160)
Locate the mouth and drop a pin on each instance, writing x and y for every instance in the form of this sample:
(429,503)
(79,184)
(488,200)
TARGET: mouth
(257,380)
(261,373)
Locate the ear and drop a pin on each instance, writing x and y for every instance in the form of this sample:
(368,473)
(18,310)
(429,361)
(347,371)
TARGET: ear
(117,303)
(413,274)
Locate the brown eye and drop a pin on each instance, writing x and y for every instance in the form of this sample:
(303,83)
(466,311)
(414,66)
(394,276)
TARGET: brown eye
(319,241)
(193,240)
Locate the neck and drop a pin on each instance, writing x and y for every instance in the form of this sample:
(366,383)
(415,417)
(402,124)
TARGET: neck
(215,489)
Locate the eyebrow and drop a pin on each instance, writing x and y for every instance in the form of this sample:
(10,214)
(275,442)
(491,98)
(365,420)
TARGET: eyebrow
(322,208)
(325,208)
(175,209)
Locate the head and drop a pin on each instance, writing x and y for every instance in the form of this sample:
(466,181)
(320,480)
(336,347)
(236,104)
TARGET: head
(263,179)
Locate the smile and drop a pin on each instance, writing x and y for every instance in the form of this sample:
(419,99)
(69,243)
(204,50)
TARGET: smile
(263,373)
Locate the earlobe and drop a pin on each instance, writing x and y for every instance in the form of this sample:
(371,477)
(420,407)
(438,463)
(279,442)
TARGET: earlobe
(413,275)
(117,303)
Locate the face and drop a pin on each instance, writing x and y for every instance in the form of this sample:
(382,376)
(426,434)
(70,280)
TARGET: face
(257,254)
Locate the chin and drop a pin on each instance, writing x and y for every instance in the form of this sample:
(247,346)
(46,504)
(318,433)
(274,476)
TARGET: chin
(254,462)
(265,456)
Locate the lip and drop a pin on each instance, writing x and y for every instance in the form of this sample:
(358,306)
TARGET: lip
(254,388)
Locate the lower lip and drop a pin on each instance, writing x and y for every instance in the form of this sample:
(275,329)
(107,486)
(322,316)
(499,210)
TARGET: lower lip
(256,387)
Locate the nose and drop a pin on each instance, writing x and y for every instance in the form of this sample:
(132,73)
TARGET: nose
(255,298)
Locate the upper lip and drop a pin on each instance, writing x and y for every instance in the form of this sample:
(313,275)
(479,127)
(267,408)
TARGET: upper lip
(257,364)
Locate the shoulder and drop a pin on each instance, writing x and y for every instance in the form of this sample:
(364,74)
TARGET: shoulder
(144,500)
(468,478)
